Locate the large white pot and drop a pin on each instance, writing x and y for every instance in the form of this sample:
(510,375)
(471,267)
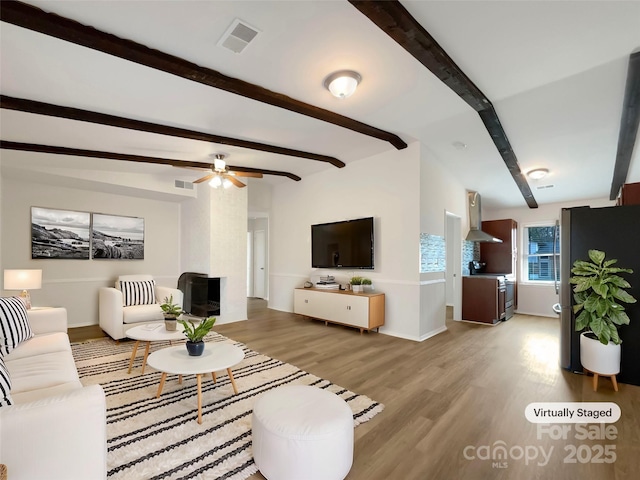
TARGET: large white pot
(599,358)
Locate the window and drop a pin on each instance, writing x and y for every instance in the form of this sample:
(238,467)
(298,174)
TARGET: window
(540,254)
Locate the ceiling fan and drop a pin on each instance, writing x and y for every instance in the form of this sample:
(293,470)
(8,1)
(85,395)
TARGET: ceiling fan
(221,176)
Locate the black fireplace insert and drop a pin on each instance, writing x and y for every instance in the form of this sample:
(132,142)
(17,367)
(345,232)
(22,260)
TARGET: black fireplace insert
(201,294)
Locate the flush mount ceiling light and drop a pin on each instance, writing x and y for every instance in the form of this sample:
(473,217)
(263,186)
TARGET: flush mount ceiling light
(342,84)
(538,173)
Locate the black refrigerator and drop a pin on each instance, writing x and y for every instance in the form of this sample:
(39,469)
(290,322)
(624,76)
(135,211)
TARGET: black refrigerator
(615,231)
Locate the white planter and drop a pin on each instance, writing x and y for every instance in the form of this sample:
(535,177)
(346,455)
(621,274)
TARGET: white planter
(357,288)
(599,358)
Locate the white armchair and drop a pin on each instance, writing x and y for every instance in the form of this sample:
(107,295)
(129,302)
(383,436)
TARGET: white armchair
(140,303)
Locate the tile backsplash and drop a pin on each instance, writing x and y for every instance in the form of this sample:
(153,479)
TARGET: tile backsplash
(433,253)
(470,252)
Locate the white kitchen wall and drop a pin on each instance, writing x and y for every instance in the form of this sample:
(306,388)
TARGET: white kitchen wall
(537,299)
(385,186)
(74,284)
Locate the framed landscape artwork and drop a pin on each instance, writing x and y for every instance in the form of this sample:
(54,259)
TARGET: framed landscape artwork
(117,237)
(59,234)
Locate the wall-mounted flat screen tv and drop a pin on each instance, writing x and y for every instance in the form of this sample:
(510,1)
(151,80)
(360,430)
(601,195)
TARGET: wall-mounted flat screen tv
(346,244)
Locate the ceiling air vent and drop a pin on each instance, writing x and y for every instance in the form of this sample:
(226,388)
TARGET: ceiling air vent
(544,187)
(185,185)
(238,36)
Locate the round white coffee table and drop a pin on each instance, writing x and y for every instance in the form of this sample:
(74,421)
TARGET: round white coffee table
(151,332)
(176,360)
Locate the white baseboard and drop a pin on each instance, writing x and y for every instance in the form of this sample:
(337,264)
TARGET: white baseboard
(433,333)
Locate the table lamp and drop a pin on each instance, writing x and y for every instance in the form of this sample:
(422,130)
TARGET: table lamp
(24,280)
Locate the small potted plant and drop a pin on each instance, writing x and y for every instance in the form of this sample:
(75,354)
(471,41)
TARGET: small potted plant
(356,284)
(171,311)
(195,334)
(597,293)
(366,283)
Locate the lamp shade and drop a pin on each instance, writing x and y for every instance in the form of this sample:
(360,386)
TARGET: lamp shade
(22,279)
(342,84)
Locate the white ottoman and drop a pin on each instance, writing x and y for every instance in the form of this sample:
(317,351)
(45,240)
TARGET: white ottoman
(302,433)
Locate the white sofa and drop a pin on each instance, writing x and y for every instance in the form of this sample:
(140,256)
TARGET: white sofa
(56,428)
(116,318)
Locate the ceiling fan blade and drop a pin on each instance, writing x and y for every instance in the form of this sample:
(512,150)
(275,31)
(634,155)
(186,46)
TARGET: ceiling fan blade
(245,174)
(235,181)
(204,179)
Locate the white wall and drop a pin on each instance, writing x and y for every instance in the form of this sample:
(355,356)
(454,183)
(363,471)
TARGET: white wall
(385,186)
(537,299)
(214,231)
(440,193)
(259,196)
(74,284)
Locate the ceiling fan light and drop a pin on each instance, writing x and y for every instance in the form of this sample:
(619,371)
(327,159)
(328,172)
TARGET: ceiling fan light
(216,182)
(219,164)
(538,173)
(342,84)
(226,183)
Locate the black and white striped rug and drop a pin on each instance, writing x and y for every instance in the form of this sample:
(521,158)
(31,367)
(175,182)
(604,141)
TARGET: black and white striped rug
(159,438)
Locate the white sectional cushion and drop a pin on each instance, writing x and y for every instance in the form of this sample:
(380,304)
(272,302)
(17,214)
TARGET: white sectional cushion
(138,292)
(5,385)
(142,313)
(43,393)
(14,324)
(41,371)
(41,344)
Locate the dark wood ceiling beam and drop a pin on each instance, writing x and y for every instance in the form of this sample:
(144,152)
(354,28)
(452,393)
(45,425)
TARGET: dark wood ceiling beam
(628,126)
(77,152)
(492,123)
(393,19)
(33,18)
(41,108)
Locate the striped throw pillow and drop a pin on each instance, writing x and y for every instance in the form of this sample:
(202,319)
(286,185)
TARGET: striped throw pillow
(14,324)
(5,385)
(142,292)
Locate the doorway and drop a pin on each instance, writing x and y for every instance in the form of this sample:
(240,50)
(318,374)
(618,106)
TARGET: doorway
(453,274)
(257,258)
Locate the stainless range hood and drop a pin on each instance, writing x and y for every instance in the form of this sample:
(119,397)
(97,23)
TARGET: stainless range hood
(475,221)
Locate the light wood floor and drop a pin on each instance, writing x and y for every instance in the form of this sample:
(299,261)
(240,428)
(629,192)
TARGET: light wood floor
(466,387)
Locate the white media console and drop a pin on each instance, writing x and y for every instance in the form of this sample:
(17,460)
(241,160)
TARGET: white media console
(361,310)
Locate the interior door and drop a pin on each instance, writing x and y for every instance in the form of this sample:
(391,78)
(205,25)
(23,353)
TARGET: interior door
(259,256)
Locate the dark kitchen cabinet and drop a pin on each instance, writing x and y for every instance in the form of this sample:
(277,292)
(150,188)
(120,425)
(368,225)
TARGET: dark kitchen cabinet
(630,194)
(500,257)
(483,299)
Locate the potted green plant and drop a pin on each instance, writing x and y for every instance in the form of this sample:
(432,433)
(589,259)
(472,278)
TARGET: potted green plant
(195,334)
(171,311)
(598,294)
(366,283)
(356,284)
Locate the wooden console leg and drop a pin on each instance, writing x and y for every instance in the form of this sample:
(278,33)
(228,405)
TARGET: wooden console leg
(213,375)
(615,382)
(595,382)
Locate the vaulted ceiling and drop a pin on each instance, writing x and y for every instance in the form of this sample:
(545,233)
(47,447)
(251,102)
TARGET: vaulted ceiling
(553,72)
